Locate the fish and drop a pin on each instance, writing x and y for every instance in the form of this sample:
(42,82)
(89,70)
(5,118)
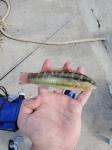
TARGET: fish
(63,79)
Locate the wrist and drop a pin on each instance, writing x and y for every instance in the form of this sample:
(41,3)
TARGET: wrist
(34,147)
(50,147)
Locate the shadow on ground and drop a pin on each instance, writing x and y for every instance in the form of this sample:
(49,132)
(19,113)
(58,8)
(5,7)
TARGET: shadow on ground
(98,112)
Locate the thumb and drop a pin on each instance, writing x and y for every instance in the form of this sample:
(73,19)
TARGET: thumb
(29,106)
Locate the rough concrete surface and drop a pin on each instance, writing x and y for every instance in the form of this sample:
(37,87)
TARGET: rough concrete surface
(55,20)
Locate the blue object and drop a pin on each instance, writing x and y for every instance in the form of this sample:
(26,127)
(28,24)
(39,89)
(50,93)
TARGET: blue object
(70,93)
(9,113)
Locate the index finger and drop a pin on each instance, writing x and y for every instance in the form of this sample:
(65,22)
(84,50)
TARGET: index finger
(83,97)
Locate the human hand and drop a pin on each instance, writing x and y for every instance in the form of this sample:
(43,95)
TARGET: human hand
(53,120)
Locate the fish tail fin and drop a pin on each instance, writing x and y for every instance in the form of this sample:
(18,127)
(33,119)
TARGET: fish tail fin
(23,79)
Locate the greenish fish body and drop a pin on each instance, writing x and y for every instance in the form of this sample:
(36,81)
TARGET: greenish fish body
(67,80)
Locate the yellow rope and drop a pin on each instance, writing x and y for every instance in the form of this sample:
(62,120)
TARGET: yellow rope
(3,27)
(8,9)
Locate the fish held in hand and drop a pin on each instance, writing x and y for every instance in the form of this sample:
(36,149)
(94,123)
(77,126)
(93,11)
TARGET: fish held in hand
(66,80)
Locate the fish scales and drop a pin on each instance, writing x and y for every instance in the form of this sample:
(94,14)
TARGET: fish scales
(67,75)
(70,80)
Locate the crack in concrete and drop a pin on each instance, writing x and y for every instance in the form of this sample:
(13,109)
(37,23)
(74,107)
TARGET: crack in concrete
(99,25)
(0,35)
(97,20)
(34,50)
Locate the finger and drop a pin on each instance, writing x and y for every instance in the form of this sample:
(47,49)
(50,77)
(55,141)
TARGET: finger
(67,66)
(30,105)
(80,69)
(83,97)
(43,90)
(47,65)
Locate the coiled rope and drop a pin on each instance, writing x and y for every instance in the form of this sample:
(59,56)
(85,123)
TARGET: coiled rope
(3,31)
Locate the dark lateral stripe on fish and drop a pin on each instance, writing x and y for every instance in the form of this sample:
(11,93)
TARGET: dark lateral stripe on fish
(58,74)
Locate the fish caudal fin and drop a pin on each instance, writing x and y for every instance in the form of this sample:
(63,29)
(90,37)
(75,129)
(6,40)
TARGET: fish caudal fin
(23,79)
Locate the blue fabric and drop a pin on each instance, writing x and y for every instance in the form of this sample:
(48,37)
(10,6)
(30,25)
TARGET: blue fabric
(70,93)
(9,113)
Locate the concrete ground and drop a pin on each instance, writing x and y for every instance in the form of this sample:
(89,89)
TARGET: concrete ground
(55,20)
